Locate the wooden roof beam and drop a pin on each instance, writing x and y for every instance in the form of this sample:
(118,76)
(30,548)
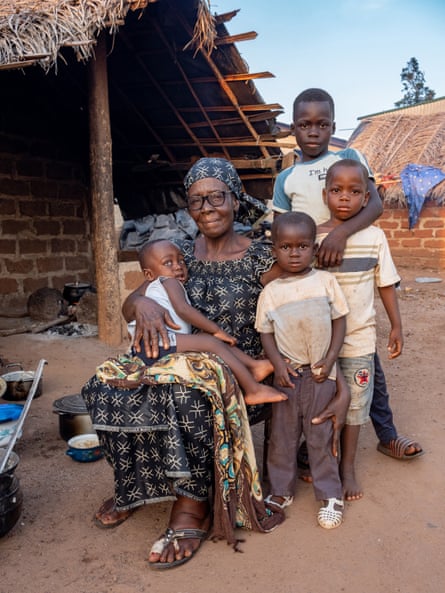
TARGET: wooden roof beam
(224,85)
(225,17)
(160,90)
(236,38)
(245,108)
(187,82)
(230,121)
(241,77)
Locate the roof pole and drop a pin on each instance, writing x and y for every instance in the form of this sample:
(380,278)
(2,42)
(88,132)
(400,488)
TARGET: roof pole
(104,243)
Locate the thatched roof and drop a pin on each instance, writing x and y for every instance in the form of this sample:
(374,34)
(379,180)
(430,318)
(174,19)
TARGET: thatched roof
(178,86)
(36,30)
(393,140)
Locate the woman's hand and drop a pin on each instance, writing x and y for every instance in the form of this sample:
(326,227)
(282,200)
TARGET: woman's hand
(151,321)
(336,411)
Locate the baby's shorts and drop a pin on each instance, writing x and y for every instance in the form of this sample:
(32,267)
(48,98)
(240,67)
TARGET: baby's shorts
(151,361)
(359,375)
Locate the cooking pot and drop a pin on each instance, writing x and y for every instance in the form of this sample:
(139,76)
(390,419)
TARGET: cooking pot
(18,383)
(74,290)
(74,419)
(11,497)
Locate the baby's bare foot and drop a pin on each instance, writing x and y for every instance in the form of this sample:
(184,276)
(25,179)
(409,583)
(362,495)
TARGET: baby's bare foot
(261,368)
(264,394)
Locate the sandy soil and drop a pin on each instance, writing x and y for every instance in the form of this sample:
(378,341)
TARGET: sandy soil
(393,540)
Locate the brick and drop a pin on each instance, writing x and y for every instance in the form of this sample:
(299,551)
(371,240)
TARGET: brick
(33,208)
(44,189)
(411,242)
(8,246)
(388,224)
(432,223)
(50,264)
(63,245)
(8,285)
(19,266)
(14,187)
(7,206)
(14,226)
(73,227)
(60,208)
(30,285)
(29,168)
(73,191)
(76,263)
(47,227)
(58,171)
(32,246)
(6,166)
(434,243)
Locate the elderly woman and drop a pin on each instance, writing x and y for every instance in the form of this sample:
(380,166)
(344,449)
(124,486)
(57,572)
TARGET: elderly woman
(177,452)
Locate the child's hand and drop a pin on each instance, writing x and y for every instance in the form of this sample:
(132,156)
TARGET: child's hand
(320,370)
(225,337)
(282,374)
(395,343)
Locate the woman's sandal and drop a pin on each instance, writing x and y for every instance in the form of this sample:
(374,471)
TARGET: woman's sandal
(287,501)
(330,514)
(171,536)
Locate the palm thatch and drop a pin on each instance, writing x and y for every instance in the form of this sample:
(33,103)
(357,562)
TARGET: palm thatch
(34,31)
(392,141)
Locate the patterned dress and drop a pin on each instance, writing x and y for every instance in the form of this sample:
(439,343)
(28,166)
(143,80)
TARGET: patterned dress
(159,439)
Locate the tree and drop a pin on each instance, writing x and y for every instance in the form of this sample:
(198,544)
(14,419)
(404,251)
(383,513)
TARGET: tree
(413,80)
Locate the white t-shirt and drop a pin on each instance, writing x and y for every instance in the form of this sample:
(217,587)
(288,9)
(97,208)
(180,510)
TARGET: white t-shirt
(367,264)
(299,311)
(300,187)
(157,292)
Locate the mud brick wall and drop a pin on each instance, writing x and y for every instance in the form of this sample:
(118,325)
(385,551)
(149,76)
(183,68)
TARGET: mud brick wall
(422,246)
(44,221)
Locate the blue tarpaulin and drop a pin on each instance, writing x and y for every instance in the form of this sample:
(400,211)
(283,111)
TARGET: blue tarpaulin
(417,181)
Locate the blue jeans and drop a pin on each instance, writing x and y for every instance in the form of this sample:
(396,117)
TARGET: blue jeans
(381,413)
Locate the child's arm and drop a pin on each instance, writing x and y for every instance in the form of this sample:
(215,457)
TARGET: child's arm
(281,369)
(331,250)
(176,294)
(390,302)
(322,368)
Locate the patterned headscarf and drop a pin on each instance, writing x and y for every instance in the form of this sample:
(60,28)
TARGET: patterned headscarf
(251,210)
(218,169)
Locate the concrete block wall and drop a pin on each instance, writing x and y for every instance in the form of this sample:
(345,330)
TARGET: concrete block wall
(44,223)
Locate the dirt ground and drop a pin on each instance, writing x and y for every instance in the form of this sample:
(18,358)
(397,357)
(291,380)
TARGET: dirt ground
(393,540)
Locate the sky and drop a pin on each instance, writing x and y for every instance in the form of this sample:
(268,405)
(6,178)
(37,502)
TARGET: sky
(354,49)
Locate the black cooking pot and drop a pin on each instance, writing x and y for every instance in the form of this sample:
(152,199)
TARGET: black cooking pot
(11,497)
(74,290)
(73,416)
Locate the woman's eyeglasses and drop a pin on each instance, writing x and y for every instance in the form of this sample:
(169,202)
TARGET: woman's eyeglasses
(214,198)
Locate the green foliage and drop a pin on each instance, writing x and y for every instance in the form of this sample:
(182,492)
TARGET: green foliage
(413,80)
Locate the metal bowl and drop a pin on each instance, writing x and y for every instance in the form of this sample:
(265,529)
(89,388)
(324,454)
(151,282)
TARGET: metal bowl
(84,448)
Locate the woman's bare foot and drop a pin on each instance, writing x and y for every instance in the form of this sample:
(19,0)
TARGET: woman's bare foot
(186,513)
(263,394)
(108,516)
(351,489)
(260,368)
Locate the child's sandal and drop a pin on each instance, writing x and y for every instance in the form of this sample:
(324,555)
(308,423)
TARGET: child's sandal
(330,514)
